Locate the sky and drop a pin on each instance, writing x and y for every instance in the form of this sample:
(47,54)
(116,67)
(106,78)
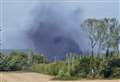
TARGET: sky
(16,15)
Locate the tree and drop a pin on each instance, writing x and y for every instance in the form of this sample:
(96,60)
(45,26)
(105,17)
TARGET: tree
(92,27)
(103,33)
(113,35)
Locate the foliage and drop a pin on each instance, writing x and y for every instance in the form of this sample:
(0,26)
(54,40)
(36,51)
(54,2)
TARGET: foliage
(78,67)
(51,68)
(103,33)
(73,67)
(18,61)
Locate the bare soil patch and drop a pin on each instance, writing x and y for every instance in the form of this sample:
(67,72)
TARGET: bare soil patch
(36,77)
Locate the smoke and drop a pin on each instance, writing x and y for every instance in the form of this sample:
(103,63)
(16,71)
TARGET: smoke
(55,30)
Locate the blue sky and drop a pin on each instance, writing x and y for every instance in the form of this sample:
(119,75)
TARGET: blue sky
(16,15)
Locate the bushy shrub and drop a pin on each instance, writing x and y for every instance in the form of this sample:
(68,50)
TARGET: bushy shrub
(116,72)
(16,60)
(13,61)
(62,75)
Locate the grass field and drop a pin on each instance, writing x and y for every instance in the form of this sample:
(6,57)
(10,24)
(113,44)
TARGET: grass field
(36,77)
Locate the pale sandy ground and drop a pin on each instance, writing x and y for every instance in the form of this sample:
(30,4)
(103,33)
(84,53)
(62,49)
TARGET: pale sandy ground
(36,77)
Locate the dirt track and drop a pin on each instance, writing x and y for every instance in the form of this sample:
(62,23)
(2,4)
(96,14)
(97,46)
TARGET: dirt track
(36,77)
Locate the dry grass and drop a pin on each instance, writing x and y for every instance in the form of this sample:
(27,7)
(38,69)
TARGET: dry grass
(36,77)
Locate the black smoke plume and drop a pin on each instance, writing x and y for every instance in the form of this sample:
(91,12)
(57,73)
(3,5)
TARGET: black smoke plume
(55,30)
